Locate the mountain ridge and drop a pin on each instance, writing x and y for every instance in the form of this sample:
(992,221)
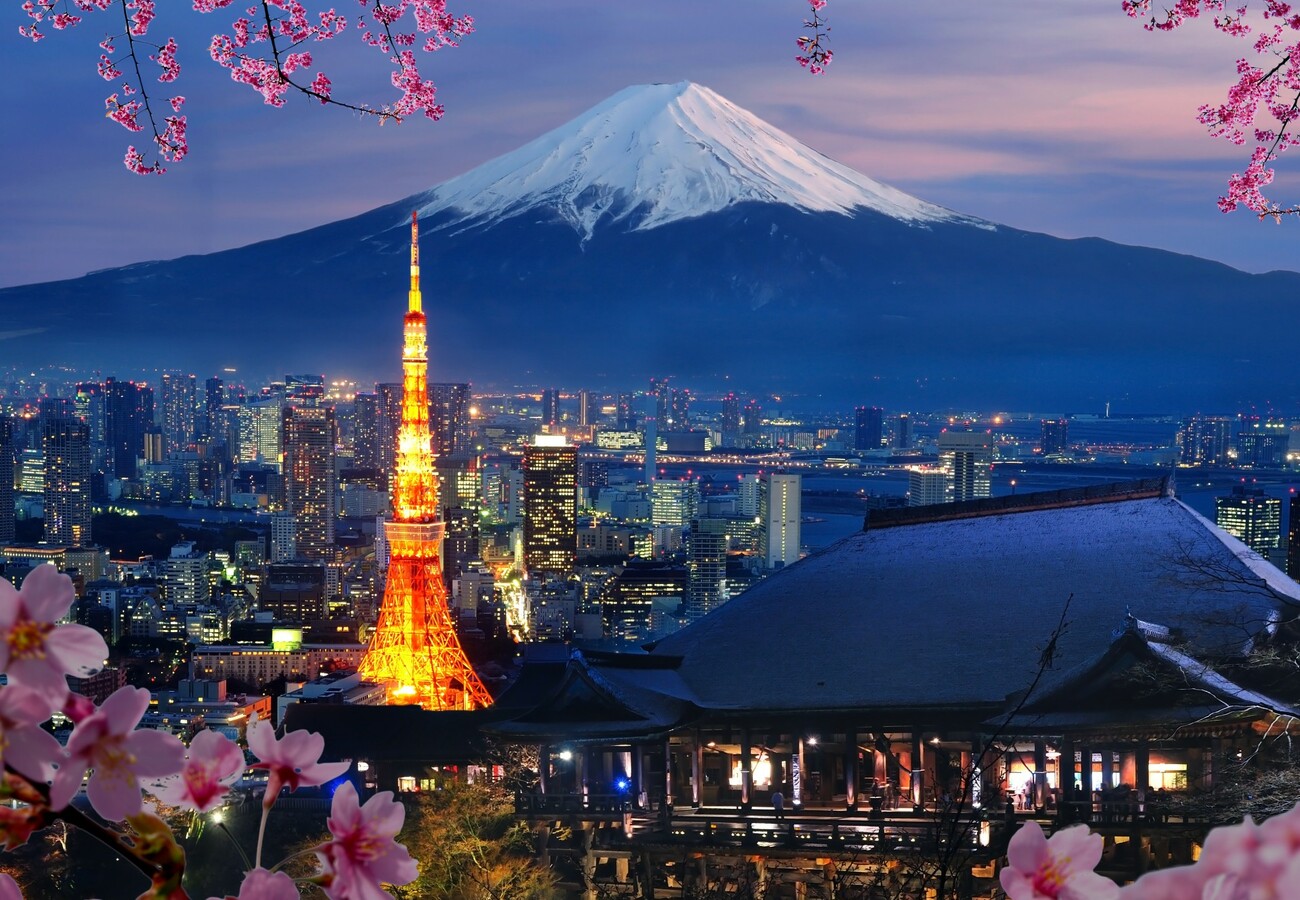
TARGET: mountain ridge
(756,295)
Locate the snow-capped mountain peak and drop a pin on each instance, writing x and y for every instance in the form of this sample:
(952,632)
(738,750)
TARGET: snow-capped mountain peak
(654,154)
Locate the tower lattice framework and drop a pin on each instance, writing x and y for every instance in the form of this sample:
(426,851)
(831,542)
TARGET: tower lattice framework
(415,651)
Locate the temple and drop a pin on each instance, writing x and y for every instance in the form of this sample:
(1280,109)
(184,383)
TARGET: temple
(913,693)
(414,650)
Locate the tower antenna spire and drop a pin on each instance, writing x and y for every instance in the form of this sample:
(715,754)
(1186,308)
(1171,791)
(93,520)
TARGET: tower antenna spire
(415,302)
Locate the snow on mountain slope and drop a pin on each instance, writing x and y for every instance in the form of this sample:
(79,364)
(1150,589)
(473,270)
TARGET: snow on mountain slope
(654,154)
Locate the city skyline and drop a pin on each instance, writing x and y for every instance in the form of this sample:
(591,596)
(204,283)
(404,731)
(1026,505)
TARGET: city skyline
(1101,140)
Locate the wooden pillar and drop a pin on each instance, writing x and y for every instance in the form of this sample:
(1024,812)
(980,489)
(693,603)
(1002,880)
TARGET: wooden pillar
(1142,773)
(851,769)
(1040,776)
(918,770)
(543,767)
(1085,779)
(583,760)
(797,771)
(746,770)
(638,773)
(668,774)
(697,772)
(1065,775)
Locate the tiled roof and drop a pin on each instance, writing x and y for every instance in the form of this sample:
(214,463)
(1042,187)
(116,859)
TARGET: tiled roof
(956,611)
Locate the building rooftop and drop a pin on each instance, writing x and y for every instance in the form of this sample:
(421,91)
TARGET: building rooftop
(953,606)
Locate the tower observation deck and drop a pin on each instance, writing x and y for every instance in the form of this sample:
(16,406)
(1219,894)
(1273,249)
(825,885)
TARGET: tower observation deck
(414,650)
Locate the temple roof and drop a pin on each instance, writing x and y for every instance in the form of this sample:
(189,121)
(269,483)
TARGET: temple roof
(953,607)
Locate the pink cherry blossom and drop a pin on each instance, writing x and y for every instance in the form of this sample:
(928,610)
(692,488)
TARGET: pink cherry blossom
(261,884)
(212,765)
(363,854)
(9,888)
(25,747)
(292,761)
(1057,868)
(119,755)
(36,652)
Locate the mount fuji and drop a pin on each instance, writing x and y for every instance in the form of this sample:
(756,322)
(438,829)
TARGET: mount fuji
(668,232)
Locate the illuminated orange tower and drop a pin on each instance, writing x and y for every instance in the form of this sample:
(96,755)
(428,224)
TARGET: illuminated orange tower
(414,649)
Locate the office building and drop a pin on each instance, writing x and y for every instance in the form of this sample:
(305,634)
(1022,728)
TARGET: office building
(259,426)
(310,437)
(967,457)
(65,443)
(551,406)
(365,432)
(730,420)
(780,515)
(293,592)
(177,407)
(209,422)
(128,417)
(1205,441)
(753,417)
(706,567)
(869,428)
(1252,517)
(8,464)
(673,502)
(903,432)
(1056,437)
(1262,443)
(1293,539)
(626,417)
(550,470)
(449,419)
(390,420)
(927,485)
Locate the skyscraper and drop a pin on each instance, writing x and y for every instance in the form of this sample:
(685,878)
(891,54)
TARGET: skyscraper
(903,432)
(7,462)
(66,445)
(209,421)
(753,417)
(1056,436)
(415,651)
(706,567)
(927,486)
(88,406)
(365,431)
(626,416)
(449,419)
(584,408)
(128,416)
(1293,539)
(1262,443)
(260,426)
(551,406)
(780,512)
(310,437)
(967,456)
(550,471)
(730,419)
(1204,441)
(1252,517)
(390,422)
(177,409)
(673,501)
(869,433)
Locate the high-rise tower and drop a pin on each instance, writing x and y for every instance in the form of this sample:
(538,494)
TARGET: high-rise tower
(415,651)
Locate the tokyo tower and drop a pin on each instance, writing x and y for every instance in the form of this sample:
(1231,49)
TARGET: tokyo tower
(414,650)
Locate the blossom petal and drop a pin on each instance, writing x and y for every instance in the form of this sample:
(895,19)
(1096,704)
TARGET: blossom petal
(124,707)
(157,753)
(47,593)
(77,649)
(1078,845)
(1083,885)
(67,781)
(1028,847)
(9,888)
(114,794)
(33,752)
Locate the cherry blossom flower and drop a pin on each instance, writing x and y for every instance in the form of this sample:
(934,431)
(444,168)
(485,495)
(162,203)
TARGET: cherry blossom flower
(212,765)
(24,746)
(9,888)
(363,854)
(119,755)
(261,884)
(33,650)
(292,761)
(1057,868)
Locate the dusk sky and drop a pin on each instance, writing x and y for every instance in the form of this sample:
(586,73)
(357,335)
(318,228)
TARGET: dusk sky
(1065,118)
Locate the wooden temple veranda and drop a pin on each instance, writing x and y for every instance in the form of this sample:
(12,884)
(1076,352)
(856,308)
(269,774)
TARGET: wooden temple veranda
(911,695)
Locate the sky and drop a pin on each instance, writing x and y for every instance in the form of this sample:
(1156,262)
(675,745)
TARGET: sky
(1061,117)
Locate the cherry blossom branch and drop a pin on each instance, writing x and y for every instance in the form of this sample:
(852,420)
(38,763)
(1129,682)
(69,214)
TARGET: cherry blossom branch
(1256,92)
(814,55)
